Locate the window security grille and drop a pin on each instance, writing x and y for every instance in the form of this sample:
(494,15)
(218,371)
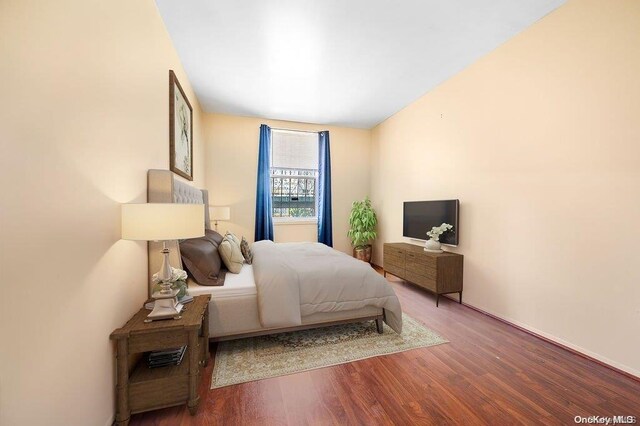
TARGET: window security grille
(294,172)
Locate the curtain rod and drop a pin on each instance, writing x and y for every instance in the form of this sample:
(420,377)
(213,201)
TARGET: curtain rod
(292,130)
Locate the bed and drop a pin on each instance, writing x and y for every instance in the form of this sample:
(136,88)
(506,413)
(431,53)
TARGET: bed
(285,297)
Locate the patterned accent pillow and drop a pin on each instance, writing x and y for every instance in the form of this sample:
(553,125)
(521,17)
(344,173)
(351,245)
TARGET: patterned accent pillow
(231,254)
(233,238)
(246,251)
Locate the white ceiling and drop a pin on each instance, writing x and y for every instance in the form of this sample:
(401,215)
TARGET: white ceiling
(344,62)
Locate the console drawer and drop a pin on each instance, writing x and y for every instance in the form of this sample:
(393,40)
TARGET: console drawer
(422,259)
(421,269)
(393,251)
(421,280)
(392,259)
(394,270)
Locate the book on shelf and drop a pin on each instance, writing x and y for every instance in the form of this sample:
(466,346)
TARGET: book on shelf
(184,300)
(166,357)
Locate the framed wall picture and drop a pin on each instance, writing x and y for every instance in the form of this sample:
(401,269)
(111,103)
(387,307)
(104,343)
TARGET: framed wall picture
(180,130)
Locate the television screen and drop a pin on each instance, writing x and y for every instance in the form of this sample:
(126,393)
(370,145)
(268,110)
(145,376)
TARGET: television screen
(420,216)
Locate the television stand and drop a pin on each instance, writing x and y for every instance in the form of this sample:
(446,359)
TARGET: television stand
(440,273)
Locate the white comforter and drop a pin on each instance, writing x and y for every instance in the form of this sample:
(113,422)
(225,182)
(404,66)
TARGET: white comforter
(298,279)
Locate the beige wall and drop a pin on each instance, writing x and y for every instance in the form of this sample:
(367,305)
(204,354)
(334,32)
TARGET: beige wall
(540,140)
(232,161)
(84,115)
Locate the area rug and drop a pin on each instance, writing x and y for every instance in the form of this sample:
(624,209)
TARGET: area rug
(255,358)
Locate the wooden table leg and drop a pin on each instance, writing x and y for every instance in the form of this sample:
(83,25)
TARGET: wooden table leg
(205,335)
(122,402)
(193,372)
(460,301)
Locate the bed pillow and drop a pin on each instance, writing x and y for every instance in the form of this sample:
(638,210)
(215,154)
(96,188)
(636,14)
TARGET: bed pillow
(213,235)
(246,251)
(233,238)
(230,253)
(201,258)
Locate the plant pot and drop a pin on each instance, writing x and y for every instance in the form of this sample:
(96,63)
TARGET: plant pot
(362,253)
(432,246)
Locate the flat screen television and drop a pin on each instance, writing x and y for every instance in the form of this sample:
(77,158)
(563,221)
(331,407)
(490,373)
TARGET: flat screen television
(420,216)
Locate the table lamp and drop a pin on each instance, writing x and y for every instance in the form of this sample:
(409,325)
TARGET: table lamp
(163,222)
(220,213)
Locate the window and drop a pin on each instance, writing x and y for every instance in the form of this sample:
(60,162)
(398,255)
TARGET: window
(294,175)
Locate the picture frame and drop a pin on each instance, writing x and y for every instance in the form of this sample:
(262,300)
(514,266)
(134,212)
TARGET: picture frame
(180,130)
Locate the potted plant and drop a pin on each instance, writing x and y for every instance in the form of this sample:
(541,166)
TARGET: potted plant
(362,223)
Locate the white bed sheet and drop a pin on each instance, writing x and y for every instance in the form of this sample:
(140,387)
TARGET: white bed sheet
(241,284)
(233,308)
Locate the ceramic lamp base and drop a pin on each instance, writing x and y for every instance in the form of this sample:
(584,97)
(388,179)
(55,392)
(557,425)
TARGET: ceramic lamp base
(166,306)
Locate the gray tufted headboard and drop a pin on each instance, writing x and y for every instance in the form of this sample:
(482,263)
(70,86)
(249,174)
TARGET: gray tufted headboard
(162,187)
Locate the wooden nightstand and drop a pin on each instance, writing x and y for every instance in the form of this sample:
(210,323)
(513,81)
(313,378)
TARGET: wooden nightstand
(140,388)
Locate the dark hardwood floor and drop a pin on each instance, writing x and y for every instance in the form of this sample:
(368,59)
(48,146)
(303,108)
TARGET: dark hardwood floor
(490,373)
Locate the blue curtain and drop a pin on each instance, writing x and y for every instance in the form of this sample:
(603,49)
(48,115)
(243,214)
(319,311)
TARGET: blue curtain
(264,222)
(325,229)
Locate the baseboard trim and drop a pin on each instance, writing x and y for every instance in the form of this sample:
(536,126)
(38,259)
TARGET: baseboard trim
(549,340)
(539,336)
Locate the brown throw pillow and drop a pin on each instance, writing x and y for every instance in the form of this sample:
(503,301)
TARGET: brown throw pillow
(213,236)
(201,258)
(246,251)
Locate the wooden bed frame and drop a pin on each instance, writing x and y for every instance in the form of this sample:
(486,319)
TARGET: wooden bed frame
(378,319)
(163,188)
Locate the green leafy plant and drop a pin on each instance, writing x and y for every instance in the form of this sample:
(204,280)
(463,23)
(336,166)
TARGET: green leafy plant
(362,222)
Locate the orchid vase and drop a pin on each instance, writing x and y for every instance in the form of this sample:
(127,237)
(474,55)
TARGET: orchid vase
(433,246)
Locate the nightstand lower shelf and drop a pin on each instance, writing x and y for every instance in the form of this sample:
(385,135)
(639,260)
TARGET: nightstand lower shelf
(153,388)
(140,388)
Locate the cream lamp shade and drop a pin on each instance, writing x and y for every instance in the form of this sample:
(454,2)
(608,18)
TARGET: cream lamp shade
(161,222)
(220,213)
